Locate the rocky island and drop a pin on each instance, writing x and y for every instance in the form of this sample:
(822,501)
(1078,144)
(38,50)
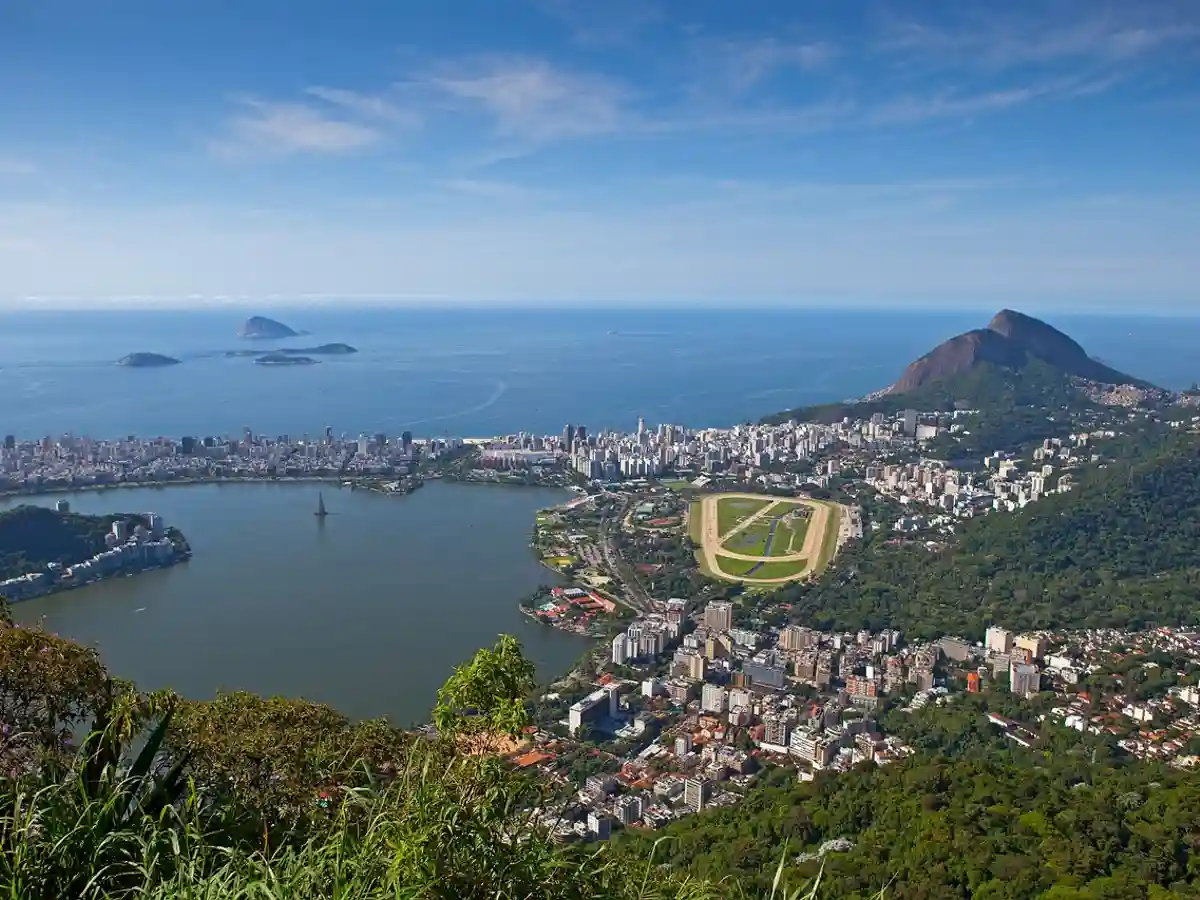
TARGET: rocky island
(280,358)
(260,328)
(322,350)
(146,361)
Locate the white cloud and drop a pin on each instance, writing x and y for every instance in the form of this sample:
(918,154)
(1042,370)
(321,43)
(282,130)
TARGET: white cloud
(367,106)
(611,23)
(493,190)
(14,166)
(745,63)
(531,100)
(1088,34)
(263,128)
(913,110)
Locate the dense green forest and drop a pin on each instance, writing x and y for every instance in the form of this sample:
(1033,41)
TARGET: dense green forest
(988,822)
(32,536)
(1120,550)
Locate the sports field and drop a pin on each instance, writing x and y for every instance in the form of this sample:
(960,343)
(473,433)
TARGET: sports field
(763,540)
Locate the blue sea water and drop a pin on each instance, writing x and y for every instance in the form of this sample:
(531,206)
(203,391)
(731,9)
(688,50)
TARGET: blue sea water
(469,372)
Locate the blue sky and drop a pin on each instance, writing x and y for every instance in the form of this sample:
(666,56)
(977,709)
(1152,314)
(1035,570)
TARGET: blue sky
(558,151)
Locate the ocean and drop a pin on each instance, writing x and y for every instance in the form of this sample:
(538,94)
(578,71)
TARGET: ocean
(479,372)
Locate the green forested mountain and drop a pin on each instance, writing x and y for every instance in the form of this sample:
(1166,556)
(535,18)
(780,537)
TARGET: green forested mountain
(990,822)
(1123,549)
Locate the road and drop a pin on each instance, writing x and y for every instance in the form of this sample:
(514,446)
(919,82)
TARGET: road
(618,567)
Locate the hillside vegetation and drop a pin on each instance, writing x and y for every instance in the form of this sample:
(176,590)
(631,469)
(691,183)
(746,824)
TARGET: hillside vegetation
(991,822)
(1120,550)
(32,536)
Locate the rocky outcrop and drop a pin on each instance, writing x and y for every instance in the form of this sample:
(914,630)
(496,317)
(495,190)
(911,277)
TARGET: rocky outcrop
(1011,340)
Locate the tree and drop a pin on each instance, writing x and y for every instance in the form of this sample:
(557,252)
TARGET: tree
(485,698)
(49,686)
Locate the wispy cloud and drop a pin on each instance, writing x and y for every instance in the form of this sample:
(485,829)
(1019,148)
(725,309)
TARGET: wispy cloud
(612,23)
(14,166)
(532,100)
(744,63)
(951,105)
(367,106)
(494,190)
(1105,35)
(263,128)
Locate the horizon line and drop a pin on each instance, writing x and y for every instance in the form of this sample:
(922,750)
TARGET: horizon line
(380,302)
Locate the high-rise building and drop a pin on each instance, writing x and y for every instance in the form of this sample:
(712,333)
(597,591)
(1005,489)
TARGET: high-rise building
(697,792)
(620,649)
(629,809)
(568,434)
(594,707)
(683,745)
(718,615)
(641,428)
(580,436)
(1031,642)
(795,637)
(406,440)
(676,611)
(998,640)
(740,697)
(777,730)
(713,699)
(1023,680)
(599,826)
(10,442)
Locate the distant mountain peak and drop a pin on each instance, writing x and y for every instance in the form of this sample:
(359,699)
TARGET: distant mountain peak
(1011,341)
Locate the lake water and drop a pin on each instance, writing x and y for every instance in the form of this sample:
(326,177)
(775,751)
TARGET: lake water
(367,611)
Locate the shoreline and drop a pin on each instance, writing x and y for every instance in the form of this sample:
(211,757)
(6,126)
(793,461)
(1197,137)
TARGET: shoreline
(555,678)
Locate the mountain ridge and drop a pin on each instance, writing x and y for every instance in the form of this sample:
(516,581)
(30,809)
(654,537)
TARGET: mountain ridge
(1011,340)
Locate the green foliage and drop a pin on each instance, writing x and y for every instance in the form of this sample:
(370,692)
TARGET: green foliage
(487,695)
(985,824)
(277,765)
(48,688)
(1118,551)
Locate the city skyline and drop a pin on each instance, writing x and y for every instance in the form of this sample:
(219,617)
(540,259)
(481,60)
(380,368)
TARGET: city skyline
(555,151)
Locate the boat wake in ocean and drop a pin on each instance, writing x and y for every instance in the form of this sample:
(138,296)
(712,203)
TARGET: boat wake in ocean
(501,388)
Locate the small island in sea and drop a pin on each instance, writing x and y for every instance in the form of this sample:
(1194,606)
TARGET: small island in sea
(147,361)
(322,350)
(284,359)
(261,328)
(43,551)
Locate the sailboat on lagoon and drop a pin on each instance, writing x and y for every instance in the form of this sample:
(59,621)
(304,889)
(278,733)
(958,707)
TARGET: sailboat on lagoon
(321,511)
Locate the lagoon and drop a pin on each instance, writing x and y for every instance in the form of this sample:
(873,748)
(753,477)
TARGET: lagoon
(368,610)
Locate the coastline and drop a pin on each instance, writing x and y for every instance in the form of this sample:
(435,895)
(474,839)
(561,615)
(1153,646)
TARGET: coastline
(180,557)
(190,482)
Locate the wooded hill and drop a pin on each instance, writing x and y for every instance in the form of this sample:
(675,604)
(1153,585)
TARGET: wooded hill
(1120,550)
